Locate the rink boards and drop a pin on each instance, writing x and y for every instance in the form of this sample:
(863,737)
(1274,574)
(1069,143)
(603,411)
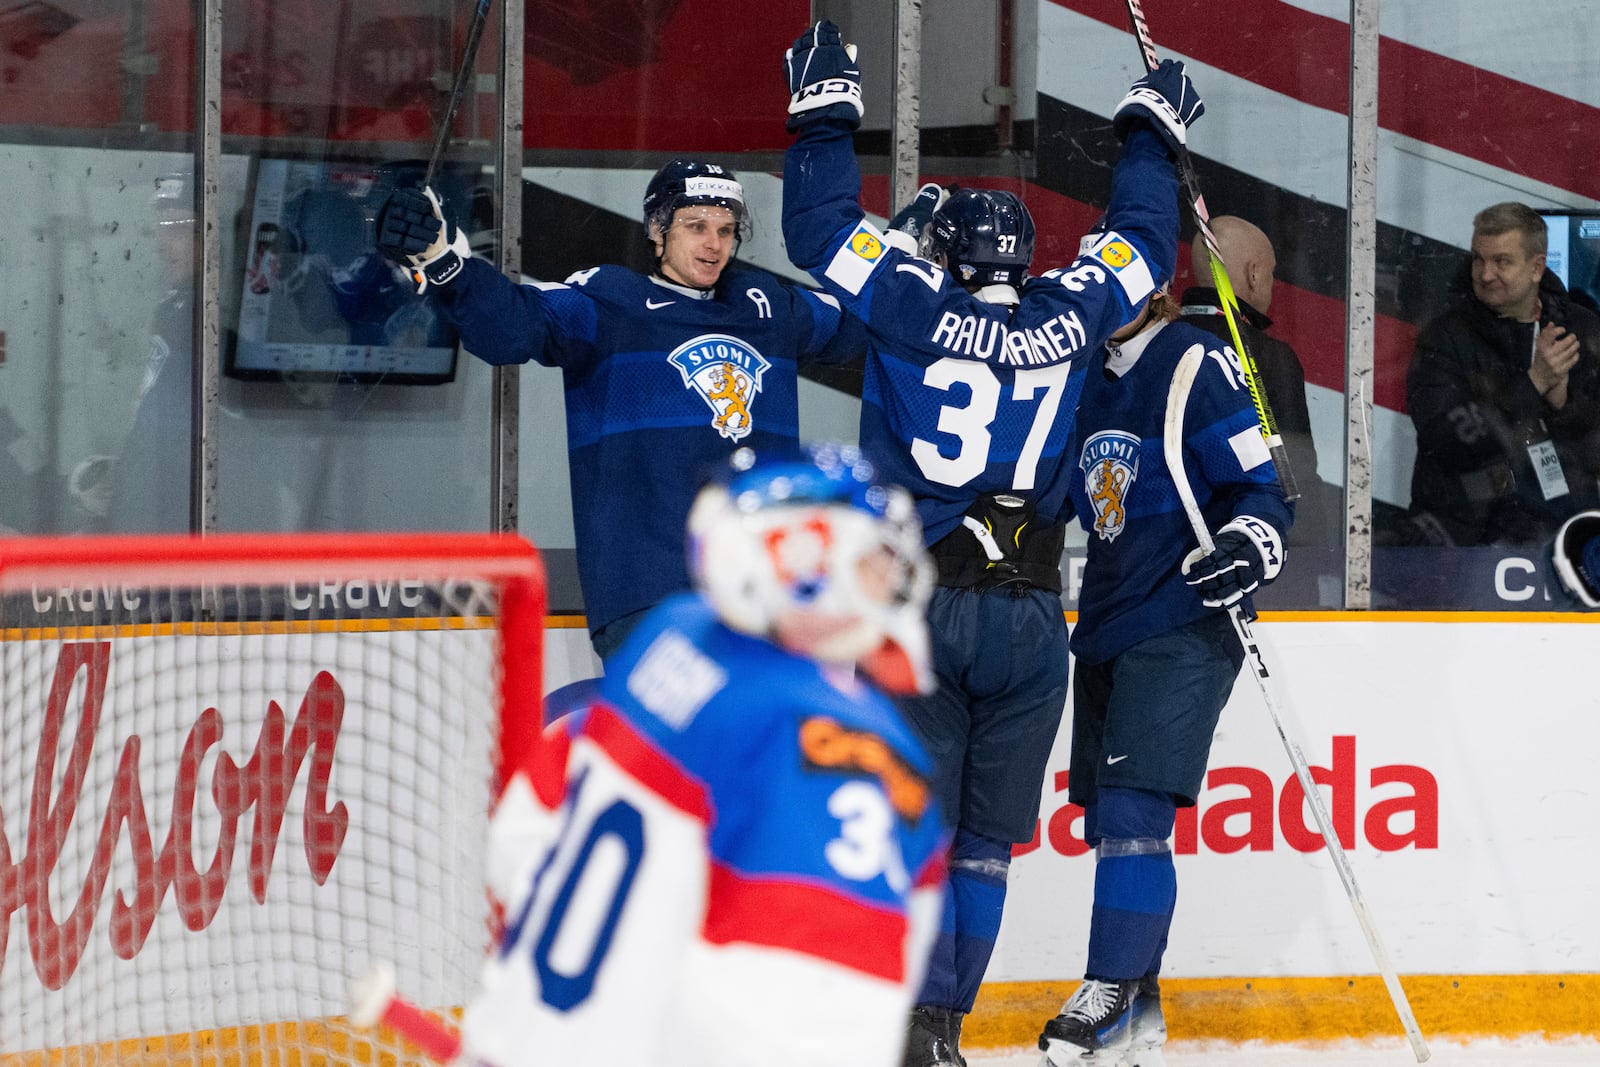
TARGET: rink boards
(1460,750)
(1457,751)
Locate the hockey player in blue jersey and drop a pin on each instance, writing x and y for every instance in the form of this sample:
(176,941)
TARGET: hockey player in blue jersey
(666,374)
(740,829)
(1155,657)
(967,402)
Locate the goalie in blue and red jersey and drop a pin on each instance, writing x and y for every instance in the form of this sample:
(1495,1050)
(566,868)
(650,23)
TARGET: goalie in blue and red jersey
(739,829)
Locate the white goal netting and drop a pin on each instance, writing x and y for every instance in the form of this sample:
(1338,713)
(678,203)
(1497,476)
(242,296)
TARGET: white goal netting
(230,784)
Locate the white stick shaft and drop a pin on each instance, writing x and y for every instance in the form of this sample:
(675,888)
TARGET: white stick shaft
(1172,448)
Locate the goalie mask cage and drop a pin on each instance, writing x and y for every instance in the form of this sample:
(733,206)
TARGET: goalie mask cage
(235,772)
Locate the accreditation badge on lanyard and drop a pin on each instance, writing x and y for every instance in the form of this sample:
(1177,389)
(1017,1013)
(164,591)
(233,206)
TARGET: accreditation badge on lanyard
(1542,454)
(1547,465)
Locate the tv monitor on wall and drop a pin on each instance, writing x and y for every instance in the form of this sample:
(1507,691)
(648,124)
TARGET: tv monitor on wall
(1574,253)
(316,300)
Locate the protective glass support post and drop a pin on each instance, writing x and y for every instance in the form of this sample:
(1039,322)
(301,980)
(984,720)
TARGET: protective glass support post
(907,117)
(1005,78)
(205,399)
(505,414)
(1360,303)
(136,64)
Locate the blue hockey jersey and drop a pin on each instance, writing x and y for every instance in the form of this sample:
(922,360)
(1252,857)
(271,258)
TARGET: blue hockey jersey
(1133,585)
(662,383)
(728,837)
(963,396)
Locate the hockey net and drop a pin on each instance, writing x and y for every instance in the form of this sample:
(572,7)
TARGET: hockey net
(236,773)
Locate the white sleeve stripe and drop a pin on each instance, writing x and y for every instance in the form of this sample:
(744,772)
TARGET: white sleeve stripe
(901,240)
(1249,448)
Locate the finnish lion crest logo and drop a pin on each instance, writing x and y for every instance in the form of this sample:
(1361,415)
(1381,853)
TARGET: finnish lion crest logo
(727,373)
(1110,464)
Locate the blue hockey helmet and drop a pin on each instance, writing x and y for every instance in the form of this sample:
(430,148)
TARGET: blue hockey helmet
(810,549)
(687,182)
(984,235)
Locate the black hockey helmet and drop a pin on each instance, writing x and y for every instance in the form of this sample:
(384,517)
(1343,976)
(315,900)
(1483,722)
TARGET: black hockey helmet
(685,182)
(1576,554)
(984,235)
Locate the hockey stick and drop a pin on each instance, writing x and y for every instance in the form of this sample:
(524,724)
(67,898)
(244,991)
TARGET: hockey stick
(375,1001)
(464,74)
(1221,281)
(1172,447)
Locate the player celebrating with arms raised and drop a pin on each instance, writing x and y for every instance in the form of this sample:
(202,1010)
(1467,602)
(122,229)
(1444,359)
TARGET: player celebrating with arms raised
(666,374)
(968,402)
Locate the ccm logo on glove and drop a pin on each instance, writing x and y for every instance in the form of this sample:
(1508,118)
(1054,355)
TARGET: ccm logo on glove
(1246,554)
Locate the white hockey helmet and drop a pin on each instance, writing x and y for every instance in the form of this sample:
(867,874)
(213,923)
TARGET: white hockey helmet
(1576,554)
(808,549)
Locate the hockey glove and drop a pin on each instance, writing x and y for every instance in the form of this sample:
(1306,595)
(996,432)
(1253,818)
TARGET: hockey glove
(824,81)
(413,233)
(913,219)
(1246,553)
(1576,555)
(1166,100)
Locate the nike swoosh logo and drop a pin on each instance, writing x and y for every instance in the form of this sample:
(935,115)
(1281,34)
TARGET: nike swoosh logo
(1114,759)
(653,304)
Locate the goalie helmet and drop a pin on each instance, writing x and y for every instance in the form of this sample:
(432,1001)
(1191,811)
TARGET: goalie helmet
(809,549)
(985,236)
(1576,554)
(687,182)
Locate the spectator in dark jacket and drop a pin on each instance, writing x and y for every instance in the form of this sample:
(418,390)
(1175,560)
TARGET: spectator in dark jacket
(1504,391)
(1251,265)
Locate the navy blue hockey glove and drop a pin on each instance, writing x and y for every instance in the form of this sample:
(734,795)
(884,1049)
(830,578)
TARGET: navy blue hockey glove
(1164,98)
(824,81)
(913,219)
(1247,553)
(413,233)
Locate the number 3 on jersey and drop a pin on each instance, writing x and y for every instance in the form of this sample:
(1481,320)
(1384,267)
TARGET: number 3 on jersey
(970,423)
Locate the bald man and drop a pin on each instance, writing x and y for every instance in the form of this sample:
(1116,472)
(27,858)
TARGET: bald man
(1251,265)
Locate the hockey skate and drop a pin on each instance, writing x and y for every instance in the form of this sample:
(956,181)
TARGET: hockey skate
(1094,1029)
(931,1037)
(1149,1027)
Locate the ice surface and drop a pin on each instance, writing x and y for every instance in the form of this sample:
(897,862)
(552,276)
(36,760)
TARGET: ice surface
(1396,1053)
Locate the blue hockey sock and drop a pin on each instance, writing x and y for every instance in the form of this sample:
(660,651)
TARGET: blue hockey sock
(1135,883)
(974,900)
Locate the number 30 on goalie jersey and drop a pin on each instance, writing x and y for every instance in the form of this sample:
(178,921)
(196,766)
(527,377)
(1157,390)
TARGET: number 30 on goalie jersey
(726,839)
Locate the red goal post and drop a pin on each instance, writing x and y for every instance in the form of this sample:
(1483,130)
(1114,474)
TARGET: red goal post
(235,772)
